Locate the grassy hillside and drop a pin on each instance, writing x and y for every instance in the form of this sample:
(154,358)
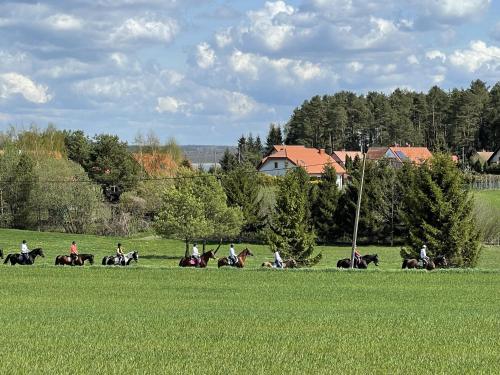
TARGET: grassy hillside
(154,251)
(490,197)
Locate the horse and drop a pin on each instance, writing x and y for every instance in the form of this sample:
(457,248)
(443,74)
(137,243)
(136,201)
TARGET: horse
(290,263)
(204,258)
(21,259)
(361,263)
(438,261)
(79,261)
(113,260)
(242,256)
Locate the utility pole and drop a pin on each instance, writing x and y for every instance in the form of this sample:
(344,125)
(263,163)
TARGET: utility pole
(358,208)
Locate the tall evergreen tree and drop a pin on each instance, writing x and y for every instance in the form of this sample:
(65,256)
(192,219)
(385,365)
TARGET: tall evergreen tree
(291,231)
(438,212)
(325,206)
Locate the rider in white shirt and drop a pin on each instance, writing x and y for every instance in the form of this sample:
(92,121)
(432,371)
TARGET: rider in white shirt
(24,250)
(195,254)
(233,259)
(278,262)
(423,255)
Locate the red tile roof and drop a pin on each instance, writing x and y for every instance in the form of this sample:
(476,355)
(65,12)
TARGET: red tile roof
(312,159)
(416,154)
(341,156)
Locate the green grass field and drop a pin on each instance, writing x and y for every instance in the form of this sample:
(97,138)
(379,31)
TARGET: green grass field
(491,197)
(156,318)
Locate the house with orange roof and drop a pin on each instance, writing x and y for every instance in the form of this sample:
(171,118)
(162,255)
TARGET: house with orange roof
(341,156)
(313,160)
(397,155)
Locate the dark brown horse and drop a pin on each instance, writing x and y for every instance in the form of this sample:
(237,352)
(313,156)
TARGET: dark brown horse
(290,263)
(361,264)
(192,262)
(242,256)
(439,261)
(22,260)
(79,261)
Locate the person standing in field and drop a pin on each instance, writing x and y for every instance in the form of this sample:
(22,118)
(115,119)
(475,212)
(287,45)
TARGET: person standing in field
(278,262)
(73,252)
(195,254)
(25,251)
(233,259)
(120,254)
(423,256)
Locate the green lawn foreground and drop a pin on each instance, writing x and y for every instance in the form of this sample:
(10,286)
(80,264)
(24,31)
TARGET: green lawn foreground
(156,320)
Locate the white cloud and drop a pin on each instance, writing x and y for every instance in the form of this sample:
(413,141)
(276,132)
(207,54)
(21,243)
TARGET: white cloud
(267,26)
(412,59)
(145,29)
(65,68)
(435,54)
(14,83)
(111,87)
(478,56)
(170,104)
(287,71)
(120,59)
(239,104)
(455,9)
(205,56)
(355,66)
(64,22)
(223,38)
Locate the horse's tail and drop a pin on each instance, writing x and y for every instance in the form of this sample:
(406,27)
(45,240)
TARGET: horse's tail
(181,262)
(405,263)
(104,261)
(57,261)
(339,263)
(7,258)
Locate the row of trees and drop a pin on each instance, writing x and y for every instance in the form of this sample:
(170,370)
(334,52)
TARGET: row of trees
(457,120)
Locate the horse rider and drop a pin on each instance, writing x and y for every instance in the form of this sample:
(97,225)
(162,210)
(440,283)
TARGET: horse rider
(233,259)
(120,254)
(195,254)
(25,251)
(357,257)
(73,253)
(278,262)
(423,256)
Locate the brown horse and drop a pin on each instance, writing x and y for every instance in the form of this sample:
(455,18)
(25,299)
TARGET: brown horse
(361,264)
(242,256)
(290,263)
(439,261)
(79,261)
(204,258)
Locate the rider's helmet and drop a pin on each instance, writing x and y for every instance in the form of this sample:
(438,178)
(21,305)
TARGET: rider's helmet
(231,245)
(24,241)
(194,244)
(119,244)
(425,246)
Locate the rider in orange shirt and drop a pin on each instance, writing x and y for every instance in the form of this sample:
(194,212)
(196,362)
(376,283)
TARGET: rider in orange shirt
(73,252)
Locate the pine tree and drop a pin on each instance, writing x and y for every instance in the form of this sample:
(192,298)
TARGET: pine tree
(325,205)
(274,137)
(438,212)
(291,231)
(229,161)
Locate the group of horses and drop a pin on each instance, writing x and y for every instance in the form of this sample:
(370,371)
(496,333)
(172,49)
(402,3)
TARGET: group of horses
(67,260)
(189,261)
(202,262)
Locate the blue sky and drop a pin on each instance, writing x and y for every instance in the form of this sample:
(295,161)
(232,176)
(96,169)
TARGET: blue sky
(207,71)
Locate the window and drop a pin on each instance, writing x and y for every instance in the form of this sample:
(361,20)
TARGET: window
(275,165)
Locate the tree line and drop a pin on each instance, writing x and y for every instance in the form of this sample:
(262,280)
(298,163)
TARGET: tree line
(459,120)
